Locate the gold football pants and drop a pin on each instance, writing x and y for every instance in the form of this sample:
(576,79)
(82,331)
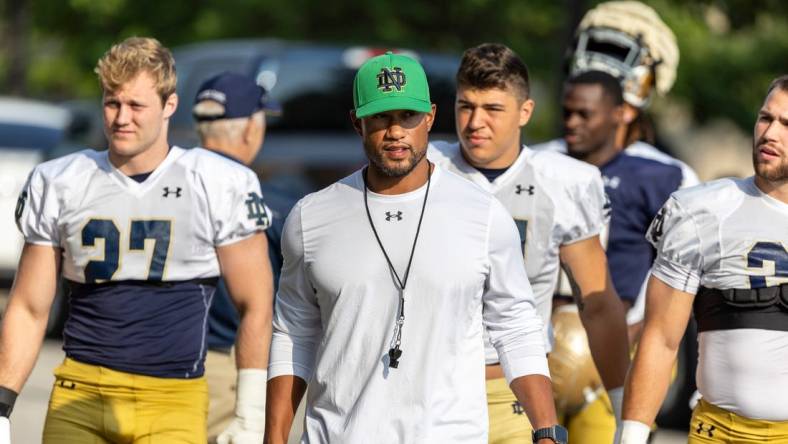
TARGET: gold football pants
(93,404)
(711,424)
(508,422)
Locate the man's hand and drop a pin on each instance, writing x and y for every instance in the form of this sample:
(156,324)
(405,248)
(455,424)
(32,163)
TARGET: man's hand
(248,427)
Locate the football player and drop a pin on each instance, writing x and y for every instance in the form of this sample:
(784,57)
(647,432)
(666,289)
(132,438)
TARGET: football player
(560,208)
(140,233)
(628,41)
(722,255)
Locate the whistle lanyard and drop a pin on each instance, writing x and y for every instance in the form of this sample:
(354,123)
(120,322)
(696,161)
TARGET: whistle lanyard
(395,352)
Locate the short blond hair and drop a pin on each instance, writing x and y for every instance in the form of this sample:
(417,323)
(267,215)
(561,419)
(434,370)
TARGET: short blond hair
(129,58)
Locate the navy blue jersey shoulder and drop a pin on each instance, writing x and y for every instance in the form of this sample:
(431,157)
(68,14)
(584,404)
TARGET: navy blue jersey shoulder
(140,327)
(637,188)
(223,319)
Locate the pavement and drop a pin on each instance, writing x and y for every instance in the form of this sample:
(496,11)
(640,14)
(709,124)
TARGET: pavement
(27,422)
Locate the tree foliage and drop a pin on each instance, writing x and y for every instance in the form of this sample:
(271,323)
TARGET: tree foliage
(730,49)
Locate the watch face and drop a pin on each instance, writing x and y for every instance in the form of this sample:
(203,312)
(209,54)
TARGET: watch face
(561,434)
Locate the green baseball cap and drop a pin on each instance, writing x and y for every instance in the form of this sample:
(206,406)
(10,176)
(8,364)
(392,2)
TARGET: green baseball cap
(388,82)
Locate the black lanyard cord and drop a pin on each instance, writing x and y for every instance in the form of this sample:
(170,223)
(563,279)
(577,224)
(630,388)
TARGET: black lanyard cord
(395,352)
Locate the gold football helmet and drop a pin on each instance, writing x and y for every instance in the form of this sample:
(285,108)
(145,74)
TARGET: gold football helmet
(576,381)
(628,40)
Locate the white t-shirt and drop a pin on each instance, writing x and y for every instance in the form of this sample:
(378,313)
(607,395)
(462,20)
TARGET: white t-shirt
(728,234)
(554,199)
(112,227)
(338,303)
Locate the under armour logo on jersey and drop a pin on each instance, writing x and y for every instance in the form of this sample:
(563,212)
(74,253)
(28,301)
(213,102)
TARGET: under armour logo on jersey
(519,189)
(517,408)
(708,430)
(168,191)
(393,216)
(391,78)
(256,210)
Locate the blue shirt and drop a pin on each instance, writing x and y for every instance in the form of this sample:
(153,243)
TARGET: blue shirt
(141,327)
(637,188)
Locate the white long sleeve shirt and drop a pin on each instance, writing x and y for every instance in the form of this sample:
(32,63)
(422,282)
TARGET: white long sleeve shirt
(554,200)
(338,302)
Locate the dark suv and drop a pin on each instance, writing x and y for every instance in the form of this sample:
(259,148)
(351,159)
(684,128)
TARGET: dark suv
(312,143)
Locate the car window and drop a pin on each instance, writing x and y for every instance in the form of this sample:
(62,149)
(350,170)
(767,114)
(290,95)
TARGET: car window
(315,89)
(28,136)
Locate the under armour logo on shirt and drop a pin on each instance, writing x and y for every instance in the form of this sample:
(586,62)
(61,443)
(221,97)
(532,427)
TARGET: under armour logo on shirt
(168,191)
(611,182)
(393,216)
(519,189)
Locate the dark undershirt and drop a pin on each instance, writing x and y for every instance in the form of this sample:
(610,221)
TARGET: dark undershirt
(139,178)
(492,173)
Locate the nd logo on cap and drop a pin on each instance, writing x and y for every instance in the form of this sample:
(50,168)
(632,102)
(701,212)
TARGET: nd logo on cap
(380,86)
(391,78)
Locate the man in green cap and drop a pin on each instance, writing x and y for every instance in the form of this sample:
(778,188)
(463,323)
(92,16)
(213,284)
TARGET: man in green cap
(401,231)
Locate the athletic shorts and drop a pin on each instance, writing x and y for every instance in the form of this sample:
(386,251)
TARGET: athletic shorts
(93,404)
(711,424)
(508,422)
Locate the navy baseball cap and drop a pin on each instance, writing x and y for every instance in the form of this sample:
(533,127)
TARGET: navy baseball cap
(238,96)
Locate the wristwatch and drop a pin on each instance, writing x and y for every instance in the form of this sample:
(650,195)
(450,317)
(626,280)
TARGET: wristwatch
(557,433)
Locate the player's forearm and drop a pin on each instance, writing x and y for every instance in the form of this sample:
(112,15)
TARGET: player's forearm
(648,381)
(254,338)
(284,394)
(603,317)
(535,393)
(20,341)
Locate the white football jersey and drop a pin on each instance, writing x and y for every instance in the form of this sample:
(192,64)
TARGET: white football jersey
(166,228)
(728,234)
(645,151)
(337,307)
(555,200)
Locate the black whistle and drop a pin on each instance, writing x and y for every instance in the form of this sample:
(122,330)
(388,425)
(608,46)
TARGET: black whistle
(394,354)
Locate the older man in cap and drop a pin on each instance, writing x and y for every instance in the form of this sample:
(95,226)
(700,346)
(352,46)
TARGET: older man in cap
(230,110)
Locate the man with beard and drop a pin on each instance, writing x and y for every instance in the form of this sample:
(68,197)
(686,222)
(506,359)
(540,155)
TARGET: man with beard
(721,255)
(399,232)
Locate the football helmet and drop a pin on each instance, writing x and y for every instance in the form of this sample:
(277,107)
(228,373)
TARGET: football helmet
(576,381)
(628,40)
